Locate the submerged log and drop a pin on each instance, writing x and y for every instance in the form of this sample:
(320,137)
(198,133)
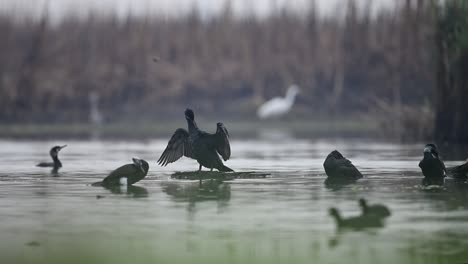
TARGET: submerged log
(216,175)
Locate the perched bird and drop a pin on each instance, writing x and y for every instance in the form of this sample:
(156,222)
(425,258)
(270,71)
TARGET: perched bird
(198,145)
(375,209)
(127,174)
(357,222)
(339,168)
(459,172)
(278,106)
(432,167)
(56,164)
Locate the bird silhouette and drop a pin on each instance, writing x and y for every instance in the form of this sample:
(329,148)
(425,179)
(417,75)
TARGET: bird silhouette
(198,145)
(339,169)
(356,222)
(56,163)
(278,106)
(374,209)
(127,174)
(432,167)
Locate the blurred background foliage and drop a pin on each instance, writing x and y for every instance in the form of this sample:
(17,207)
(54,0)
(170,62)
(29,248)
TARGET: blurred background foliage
(451,121)
(377,66)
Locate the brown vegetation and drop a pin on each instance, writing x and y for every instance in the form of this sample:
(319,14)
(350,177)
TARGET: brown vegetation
(451,124)
(222,64)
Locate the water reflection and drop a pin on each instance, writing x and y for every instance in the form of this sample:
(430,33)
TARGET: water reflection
(451,196)
(130,190)
(193,193)
(338,184)
(367,221)
(432,182)
(208,190)
(55,172)
(341,233)
(271,219)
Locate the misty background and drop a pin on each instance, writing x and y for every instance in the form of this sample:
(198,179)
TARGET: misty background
(371,62)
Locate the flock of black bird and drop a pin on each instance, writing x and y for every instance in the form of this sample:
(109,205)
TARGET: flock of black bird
(207,148)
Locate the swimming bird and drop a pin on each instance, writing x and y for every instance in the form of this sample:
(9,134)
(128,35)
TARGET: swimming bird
(127,174)
(375,209)
(278,106)
(339,168)
(198,145)
(432,167)
(56,164)
(356,222)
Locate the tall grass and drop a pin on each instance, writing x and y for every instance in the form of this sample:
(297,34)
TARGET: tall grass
(222,64)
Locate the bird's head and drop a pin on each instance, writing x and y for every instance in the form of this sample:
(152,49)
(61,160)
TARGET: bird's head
(55,150)
(431,149)
(189,114)
(141,164)
(293,90)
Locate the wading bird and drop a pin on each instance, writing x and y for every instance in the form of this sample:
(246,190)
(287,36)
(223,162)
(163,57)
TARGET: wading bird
(198,145)
(278,106)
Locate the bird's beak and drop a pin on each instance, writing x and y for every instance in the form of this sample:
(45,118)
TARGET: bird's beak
(63,146)
(427,149)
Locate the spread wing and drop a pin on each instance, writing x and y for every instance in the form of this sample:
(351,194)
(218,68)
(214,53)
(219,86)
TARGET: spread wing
(177,147)
(222,142)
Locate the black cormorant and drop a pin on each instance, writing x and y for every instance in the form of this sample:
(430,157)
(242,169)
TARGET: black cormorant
(375,209)
(127,174)
(432,167)
(56,164)
(357,222)
(198,145)
(339,168)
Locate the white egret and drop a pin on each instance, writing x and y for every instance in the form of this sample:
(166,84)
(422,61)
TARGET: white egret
(278,106)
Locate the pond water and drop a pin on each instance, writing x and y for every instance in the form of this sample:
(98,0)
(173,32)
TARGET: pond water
(283,218)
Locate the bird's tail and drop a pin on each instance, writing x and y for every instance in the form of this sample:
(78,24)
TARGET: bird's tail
(97,184)
(224,169)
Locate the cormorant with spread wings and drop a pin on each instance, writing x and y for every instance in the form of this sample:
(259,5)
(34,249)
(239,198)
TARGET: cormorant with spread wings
(199,145)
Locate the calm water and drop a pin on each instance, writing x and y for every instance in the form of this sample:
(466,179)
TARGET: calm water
(279,219)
